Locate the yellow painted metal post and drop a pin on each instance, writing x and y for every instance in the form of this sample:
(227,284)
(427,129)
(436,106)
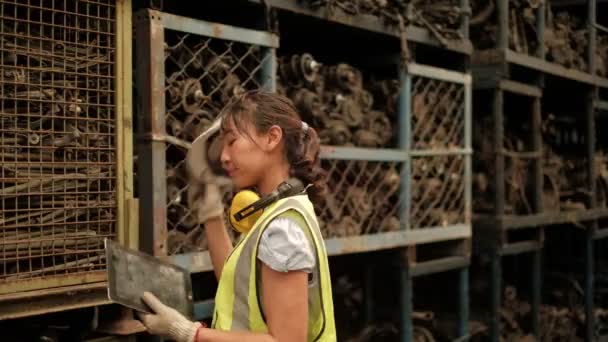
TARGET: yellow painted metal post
(127,208)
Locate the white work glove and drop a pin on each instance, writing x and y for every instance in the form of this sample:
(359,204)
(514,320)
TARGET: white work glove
(206,189)
(167,322)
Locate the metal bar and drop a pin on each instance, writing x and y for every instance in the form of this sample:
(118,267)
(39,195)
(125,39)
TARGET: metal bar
(536,291)
(200,261)
(438,73)
(589,280)
(367,243)
(602,105)
(600,27)
(215,30)
(465,8)
(502,41)
(545,219)
(463,302)
(438,265)
(203,309)
(359,153)
(17,287)
(442,152)
(520,88)
(468,144)
(553,69)
(46,301)
(405,143)
(592,44)
(407,306)
(268,73)
(496,286)
(124,119)
(151,159)
(537,146)
(540,29)
(601,234)
(520,247)
(591,145)
(498,145)
(369,293)
(120,159)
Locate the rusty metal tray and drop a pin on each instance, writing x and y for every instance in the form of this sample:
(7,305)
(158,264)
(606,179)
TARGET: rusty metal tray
(132,272)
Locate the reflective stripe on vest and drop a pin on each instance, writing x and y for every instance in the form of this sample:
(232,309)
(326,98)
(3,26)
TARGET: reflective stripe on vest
(237,304)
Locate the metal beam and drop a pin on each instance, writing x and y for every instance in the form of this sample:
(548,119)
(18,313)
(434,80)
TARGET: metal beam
(438,73)
(439,265)
(201,262)
(368,23)
(215,30)
(359,153)
(520,247)
(520,88)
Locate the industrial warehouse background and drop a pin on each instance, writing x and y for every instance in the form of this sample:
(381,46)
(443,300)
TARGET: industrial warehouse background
(462,140)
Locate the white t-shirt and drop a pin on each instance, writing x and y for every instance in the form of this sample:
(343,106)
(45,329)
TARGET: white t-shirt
(284,247)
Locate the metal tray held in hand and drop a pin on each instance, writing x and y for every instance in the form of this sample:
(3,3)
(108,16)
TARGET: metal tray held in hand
(132,272)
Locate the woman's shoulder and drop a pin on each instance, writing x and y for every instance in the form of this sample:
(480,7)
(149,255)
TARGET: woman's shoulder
(285,247)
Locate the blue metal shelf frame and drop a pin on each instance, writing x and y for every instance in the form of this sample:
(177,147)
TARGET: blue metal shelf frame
(405,143)
(151,26)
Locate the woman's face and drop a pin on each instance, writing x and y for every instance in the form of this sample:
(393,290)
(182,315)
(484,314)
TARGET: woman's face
(244,155)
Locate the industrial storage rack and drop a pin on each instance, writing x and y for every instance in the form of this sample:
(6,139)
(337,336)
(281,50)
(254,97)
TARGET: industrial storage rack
(66,180)
(154,54)
(502,71)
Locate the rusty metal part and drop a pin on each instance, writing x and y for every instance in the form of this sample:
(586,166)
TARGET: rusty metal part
(422,334)
(443,17)
(566,40)
(601,55)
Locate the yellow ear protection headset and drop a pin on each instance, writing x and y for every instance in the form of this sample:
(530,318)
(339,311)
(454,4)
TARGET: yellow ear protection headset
(247,207)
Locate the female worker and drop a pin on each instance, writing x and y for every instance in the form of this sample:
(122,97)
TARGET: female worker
(274,285)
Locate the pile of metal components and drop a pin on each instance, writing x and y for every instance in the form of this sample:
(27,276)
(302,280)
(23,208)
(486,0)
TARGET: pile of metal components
(601,55)
(561,321)
(201,78)
(566,37)
(517,177)
(346,111)
(337,103)
(438,123)
(442,17)
(566,40)
(57,146)
(564,175)
(565,180)
(522,25)
(601,171)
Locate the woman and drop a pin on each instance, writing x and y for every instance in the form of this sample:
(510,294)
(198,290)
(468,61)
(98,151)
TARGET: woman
(274,285)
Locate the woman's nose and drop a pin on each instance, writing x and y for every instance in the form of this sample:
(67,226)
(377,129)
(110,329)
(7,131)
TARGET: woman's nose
(224,157)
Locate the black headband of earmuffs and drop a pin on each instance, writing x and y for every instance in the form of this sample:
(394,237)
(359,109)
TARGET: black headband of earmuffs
(288,188)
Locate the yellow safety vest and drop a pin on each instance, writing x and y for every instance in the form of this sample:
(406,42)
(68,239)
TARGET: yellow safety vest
(237,300)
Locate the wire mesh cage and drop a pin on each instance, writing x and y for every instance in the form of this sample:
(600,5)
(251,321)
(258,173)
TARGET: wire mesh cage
(58,139)
(437,114)
(362,198)
(201,73)
(438,191)
(438,146)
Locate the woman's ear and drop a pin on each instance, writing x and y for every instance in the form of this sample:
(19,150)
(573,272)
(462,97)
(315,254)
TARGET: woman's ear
(274,137)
